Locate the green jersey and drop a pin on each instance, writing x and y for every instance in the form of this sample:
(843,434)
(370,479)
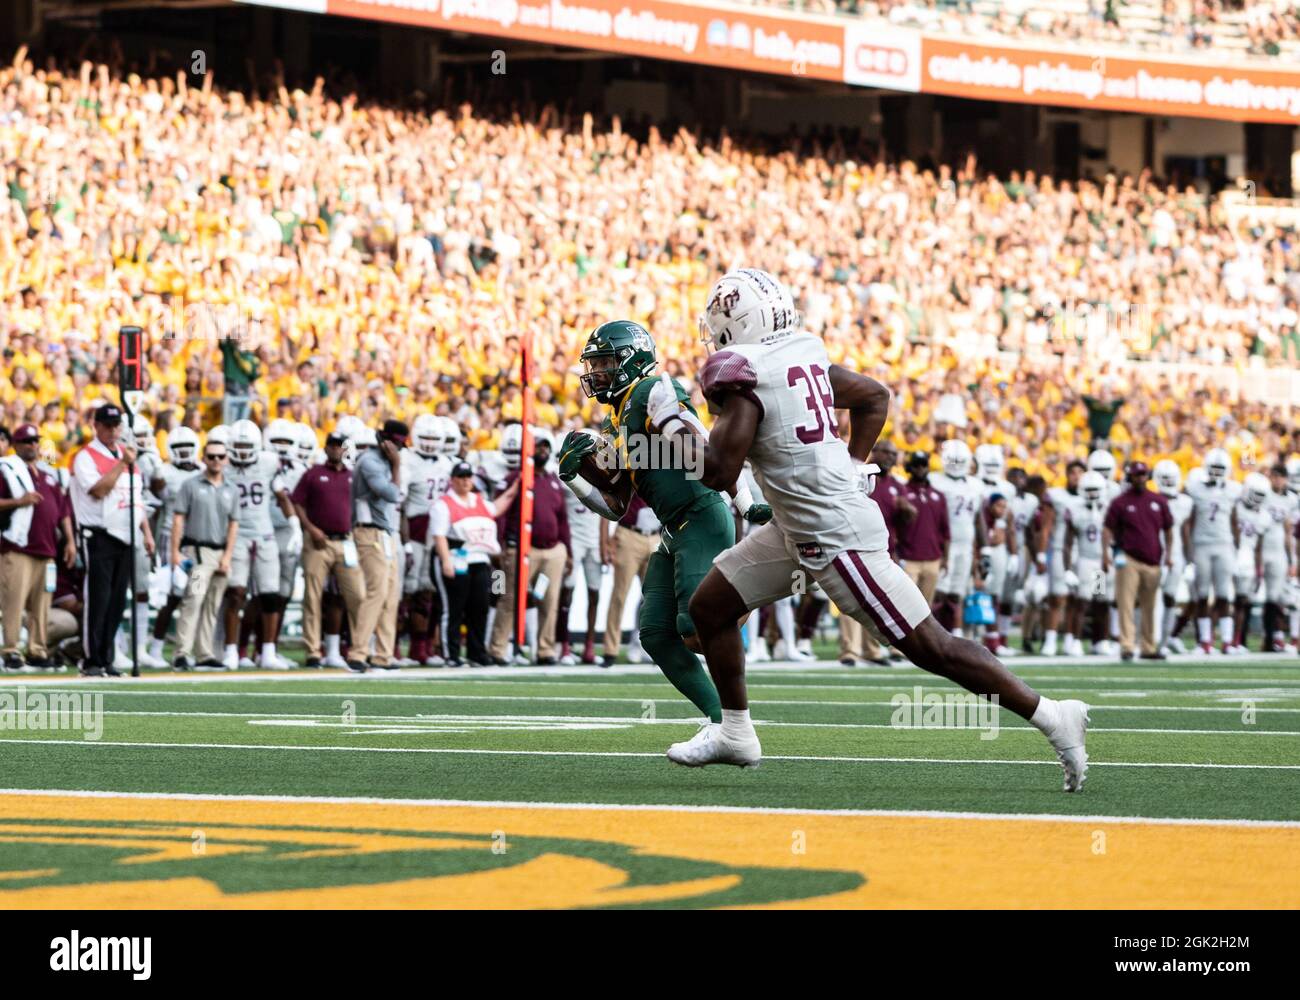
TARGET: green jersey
(657,475)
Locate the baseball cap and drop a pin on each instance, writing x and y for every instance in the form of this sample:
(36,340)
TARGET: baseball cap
(25,432)
(461,469)
(394,429)
(333,438)
(918,458)
(108,414)
(1138,469)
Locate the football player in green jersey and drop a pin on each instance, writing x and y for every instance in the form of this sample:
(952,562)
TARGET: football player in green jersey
(697,525)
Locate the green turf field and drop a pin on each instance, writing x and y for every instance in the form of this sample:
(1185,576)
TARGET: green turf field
(1215,740)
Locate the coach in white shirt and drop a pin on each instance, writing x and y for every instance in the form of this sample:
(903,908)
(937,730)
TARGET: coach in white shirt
(103,505)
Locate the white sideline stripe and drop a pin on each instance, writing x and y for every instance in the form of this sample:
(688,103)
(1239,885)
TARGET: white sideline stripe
(631,753)
(678,721)
(85,793)
(342,695)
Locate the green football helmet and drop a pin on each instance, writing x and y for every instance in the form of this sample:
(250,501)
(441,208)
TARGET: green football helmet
(617,354)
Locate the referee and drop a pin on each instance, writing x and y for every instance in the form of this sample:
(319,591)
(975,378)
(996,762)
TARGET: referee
(103,506)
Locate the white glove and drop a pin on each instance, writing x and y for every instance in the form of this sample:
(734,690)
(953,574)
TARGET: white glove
(179,580)
(867,472)
(293,546)
(1013,565)
(1189,573)
(662,405)
(1072,579)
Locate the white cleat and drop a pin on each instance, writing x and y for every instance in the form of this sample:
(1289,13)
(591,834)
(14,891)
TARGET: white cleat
(1004,651)
(434,661)
(568,660)
(635,653)
(405,661)
(334,661)
(1068,742)
(798,655)
(1175,646)
(121,659)
(232,662)
(245,663)
(271,662)
(1049,647)
(147,659)
(284,663)
(709,746)
(760,653)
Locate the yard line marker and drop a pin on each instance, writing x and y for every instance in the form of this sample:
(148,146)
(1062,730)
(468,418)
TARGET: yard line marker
(648,807)
(632,753)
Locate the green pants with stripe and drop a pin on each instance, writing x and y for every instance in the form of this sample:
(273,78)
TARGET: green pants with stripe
(676,568)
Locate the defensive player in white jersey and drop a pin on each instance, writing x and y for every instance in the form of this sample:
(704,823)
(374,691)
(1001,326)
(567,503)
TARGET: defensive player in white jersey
(255,474)
(183,448)
(149,483)
(1210,541)
(1056,513)
(430,478)
(308,451)
(776,393)
(1169,481)
(1103,463)
(590,558)
(1031,588)
(999,560)
(1088,558)
(1283,507)
(1248,576)
(965,497)
(282,438)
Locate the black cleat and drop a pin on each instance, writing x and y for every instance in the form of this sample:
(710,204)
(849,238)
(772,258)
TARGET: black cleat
(312,663)
(92,671)
(357,666)
(182,663)
(40,662)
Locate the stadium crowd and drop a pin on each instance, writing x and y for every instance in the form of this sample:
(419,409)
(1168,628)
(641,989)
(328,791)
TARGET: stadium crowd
(303,255)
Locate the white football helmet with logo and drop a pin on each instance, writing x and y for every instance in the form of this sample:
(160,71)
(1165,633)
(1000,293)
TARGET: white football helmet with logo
(183,446)
(349,426)
(990,463)
(1168,477)
(426,435)
(281,437)
(954,456)
(307,443)
(450,436)
(512,443)
(1218,465)
(140,436)
(245,442)
(1102,462)
(1092,487)
(748,306)
(1257,489)
(220,434)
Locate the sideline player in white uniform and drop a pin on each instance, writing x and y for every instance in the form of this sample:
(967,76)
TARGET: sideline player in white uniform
(1088,558)
(965,497)
(255,474)
(1103,463)
(776,393)
(590,560)
(1252,526)
(999,563)
(183,448)
(1283,507)
(1169,481)
(1210,541)
(1061,500)
(282,437)
(430,475)
(1031,587)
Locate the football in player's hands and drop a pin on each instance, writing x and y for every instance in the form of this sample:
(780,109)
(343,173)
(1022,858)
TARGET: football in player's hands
(662,404)
(758,513)
(575,448)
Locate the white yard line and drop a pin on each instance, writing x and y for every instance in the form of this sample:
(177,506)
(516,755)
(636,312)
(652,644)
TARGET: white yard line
(366,720)
(639,807)
(629,753)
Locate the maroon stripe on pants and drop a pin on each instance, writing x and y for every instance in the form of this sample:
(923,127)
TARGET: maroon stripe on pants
(861,598)
(881,596)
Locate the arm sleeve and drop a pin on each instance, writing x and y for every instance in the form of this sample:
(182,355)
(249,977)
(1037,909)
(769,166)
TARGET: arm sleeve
(726,372)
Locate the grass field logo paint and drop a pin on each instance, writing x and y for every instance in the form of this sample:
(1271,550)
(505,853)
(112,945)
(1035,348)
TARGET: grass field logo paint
(949,710)
(75,953)
(57,711)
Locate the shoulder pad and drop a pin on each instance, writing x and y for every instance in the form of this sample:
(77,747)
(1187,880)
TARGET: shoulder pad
(729,371)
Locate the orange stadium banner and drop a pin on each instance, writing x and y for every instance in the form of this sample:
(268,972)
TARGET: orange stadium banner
(736,37)
(1108,82)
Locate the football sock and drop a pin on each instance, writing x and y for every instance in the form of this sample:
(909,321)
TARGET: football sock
(231,652)
(1049,638)
(156,648)
(331,645)
(785,622)
(1225,629)
(736,724)
(684,672)
(1204,630)
(1167,631)
(141,612)
(1047,716)
(268,651)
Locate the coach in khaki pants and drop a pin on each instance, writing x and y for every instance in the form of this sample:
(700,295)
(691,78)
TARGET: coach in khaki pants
(635,539)
(375,496)
(323,500)
(204,528)
(1139,521)
(38,509)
